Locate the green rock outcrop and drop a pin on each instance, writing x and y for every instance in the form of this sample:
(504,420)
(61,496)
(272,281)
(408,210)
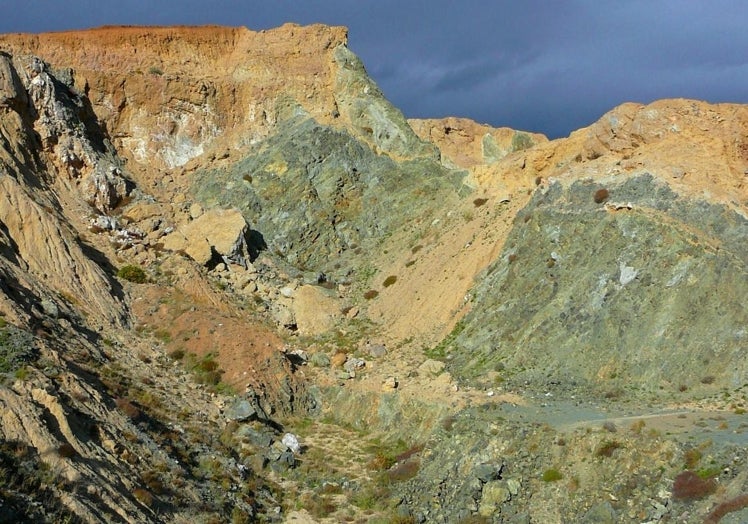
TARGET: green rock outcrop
(634,284)
(316,193)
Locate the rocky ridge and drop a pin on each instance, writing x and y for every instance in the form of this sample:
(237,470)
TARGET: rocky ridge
(320,264)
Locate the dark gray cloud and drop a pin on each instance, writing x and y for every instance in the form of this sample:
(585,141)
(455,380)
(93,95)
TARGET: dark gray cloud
(550,66)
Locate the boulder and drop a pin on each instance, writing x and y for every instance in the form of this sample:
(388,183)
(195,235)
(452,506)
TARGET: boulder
(352,364)
(104,188)
(390,384)
(240,411)
(376,350)
(495,493)
(314,309)
(319,360)
(291,442)
(219,232)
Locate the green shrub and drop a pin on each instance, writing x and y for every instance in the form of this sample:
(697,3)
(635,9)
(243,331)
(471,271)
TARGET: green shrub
(177,354)
(162,335)
(692,456)
(521,141)
(132,273)
(551,475)
(16,350)
(381,462)
(372,293)
(143,496)
(607,448)
(389,281)
(601,195)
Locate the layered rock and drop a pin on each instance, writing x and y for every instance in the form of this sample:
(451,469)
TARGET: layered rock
(41,238)
(149,87)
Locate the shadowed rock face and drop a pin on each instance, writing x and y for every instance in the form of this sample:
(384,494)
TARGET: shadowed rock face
(648,287)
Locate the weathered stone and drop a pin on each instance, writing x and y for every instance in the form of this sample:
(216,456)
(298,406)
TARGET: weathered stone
(219,231)
(495,494)
(240,411)
(431,367)
(602,513)
(259,438)
(353,363)
(513,486)
(314,309)
(291,442)
(644,269)
(320,360)
(50,308)
(389,384)
(12,92)
(376,350)
(487,472)
(196,211)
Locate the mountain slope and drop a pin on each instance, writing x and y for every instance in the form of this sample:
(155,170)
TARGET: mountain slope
(210,236)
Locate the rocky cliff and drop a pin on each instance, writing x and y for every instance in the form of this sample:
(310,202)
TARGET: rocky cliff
(211,236)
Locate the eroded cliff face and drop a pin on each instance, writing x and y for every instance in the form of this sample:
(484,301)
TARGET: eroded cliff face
(165,95)
(53,168)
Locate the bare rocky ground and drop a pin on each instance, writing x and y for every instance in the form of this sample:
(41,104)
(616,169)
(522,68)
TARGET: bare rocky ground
(424,321)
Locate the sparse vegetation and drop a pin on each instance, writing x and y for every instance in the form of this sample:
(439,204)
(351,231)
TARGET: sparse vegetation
(17,349)
(607,448)
(728,506)
(521,141)
(688,485)
(143,496)
(162,335)
(440,350)
(601,195)
(206,369)
(177,354)
(132,273)
(551,475)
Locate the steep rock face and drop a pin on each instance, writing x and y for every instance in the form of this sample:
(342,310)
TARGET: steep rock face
(165,94)
(40,197)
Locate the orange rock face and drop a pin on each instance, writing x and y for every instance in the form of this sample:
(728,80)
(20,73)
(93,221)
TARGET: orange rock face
(166,94)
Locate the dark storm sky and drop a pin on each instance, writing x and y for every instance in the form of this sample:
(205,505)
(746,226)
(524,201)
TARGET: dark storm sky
(550,66)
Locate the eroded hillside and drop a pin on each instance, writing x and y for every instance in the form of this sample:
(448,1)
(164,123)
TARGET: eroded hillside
(213,236)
